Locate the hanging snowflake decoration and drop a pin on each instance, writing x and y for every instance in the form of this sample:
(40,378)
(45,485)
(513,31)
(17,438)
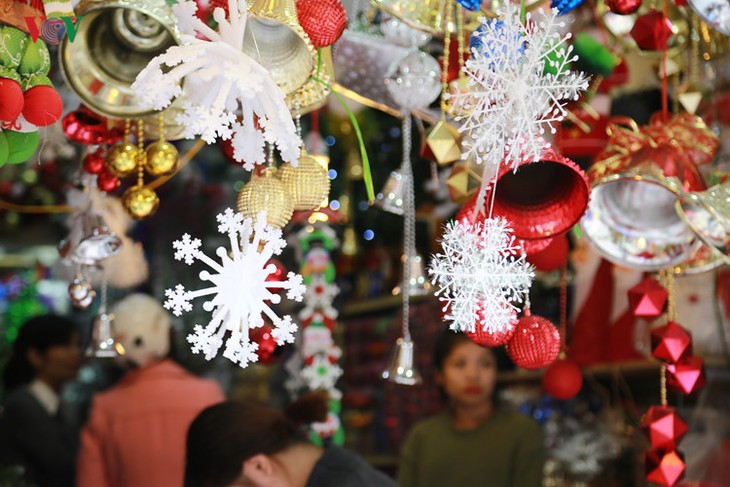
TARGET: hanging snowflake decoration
(322,373)
(480,275)
(215,78)
(519,81)
(240,289)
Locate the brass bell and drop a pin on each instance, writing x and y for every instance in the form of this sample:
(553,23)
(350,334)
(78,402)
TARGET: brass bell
(114,42)
(430,15)
(313,94)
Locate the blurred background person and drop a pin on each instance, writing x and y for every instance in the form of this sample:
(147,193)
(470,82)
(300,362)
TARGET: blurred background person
(135,435)
(243,444)
(472,443)
(37,432)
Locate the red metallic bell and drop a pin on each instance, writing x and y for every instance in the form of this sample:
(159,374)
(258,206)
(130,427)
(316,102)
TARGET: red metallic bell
(687,375)
(670,343)
(648,298)
(651,31)
(623,7)
(663,467)
(664,428)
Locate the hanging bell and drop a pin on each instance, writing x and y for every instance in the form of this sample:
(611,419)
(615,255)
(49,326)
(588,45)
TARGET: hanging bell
(103,344)
(313,94)
(402,368)
(631,218)
(418,284)
(430,15)
(115,41)
(97,243)
(707,213)
(392,198)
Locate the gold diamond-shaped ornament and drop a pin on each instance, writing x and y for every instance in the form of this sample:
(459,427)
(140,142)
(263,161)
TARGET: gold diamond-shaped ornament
(464,181)
(443,140)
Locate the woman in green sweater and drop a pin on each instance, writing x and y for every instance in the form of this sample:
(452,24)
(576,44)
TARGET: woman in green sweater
(472,443)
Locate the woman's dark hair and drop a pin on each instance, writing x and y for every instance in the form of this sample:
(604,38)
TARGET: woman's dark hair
(39,333)
(225,435)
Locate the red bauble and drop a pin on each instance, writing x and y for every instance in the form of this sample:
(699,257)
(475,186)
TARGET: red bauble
(647,299)
(279,273)
(214,4)
(107,181)
(490,339)
(670,342)
(552,257)
(687,375)
(664,467)
(664,428)
(94,163)
(322,20)
(563,379)
(11,100)
(652,31)
(267,344)
(85,127)
(623,7)
(43,105)
(535,344)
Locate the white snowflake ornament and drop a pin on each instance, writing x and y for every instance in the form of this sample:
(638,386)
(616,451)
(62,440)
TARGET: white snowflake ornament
(216,81)
(241,289)
(518,83)
(321,373)
(480,275)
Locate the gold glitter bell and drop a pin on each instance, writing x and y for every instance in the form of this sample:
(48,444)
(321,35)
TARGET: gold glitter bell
(266,193)
(140,202)
(161,158)
(308,183)
(122,159)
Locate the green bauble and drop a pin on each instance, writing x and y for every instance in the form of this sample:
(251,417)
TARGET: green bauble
(4,149)
(22,145)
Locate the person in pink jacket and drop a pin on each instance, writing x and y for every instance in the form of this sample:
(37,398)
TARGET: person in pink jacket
(135,435)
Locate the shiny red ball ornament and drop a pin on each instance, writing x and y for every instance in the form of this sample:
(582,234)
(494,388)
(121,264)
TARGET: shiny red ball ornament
(264,337)
(670,342)
(687,375)
(107,181)
(43,105)
(623,7)
(664,428)
(651,31)
(663,467)
(563,379)
(648,298)
(324,21)
(491,339)
(85,127)
(535,344)
(279,273)
(11,99)
(94,163)
(553,256)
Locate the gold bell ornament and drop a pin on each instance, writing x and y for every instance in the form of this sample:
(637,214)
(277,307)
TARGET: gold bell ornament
(140,201)
(161,156)
(121,158)
(266,192)
(308,183)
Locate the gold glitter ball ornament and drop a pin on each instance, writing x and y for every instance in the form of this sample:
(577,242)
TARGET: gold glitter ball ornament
(161,158)
(122,159)
(266,193)
(140,202)
(308,183)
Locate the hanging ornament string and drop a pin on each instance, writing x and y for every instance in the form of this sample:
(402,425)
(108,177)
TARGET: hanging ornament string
(141,154)
(445,67)
(564,307)
(665,108)
(409,223)
(104,289)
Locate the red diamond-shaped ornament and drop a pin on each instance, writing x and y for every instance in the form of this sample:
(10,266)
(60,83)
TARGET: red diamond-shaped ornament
(664,467)
(648,298)
(687,375)
(663,427)
(670,342)
(651,31)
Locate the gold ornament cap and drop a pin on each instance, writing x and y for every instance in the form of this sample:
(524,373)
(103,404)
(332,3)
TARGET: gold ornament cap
(308,183)
(140,202)
(122,159)
(266,193)
(161,158)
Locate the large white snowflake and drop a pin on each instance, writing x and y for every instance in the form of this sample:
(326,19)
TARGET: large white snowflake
(480,275)
(518,83)
(241,288)
(215,78)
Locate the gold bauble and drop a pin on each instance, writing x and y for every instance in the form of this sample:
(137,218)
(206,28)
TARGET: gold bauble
(161,158)
(308,183)
(266,193)
(140,202)
(122,159)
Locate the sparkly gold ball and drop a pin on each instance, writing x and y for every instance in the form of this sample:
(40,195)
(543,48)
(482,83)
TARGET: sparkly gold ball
(308,183)
(161,158)
(122,159)
(266,193)
(140,202)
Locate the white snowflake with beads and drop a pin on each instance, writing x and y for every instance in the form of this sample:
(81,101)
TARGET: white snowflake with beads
(219,81)
(241,288)
(511,97)
(322,373)
(480,275)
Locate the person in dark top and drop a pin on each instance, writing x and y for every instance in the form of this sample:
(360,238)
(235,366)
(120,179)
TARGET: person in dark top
(35,431)
(246,445)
